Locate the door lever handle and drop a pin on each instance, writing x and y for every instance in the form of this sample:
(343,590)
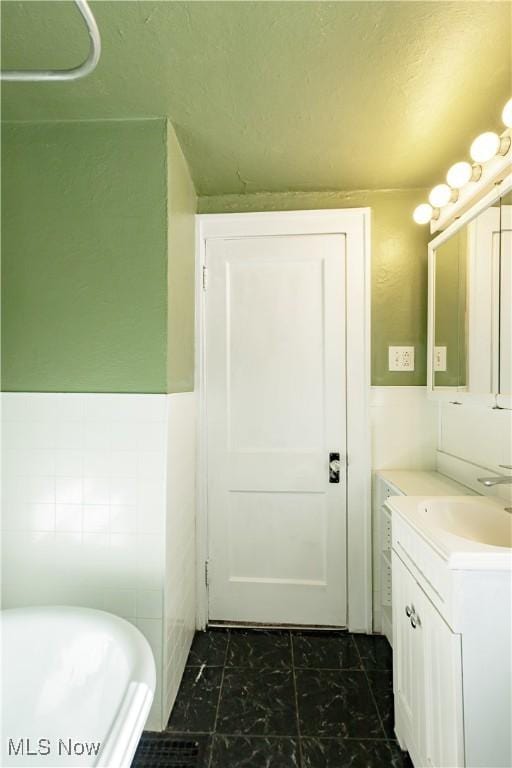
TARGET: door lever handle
(334,467)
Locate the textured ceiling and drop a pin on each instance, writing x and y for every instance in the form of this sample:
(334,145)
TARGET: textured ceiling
(279,96)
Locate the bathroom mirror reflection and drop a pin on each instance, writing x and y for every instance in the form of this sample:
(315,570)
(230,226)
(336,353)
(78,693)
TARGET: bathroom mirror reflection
(505,354)
(450,348)
(466,354)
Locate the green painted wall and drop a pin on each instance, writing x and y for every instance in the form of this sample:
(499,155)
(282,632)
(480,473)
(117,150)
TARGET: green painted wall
(98,259)
(84,256)
(181,206)
(399,265)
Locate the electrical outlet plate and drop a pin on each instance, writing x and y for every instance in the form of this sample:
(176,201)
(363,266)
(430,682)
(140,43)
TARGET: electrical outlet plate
(401,358)
(439,358)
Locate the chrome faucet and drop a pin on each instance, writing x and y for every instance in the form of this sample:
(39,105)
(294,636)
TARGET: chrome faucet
(498,479)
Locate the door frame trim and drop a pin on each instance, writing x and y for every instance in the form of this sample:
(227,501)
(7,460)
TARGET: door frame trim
(354,223)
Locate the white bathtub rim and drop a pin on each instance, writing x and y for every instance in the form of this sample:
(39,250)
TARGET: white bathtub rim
(128,721)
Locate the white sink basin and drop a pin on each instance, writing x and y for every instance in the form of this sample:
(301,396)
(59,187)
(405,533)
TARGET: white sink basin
(469,532)
(471,518)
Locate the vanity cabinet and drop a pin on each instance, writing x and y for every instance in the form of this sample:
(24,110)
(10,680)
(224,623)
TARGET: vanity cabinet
(452,665)
(427,676)
(397,482)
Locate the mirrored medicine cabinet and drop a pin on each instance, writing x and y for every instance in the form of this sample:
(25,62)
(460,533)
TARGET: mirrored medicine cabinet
(470,304)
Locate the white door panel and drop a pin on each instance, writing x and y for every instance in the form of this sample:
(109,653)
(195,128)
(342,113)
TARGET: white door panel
(275,401)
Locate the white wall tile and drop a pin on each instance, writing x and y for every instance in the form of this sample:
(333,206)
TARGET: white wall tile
(32,406)
(123,518)
(74,474)
(122,602)
(69,435)
(151,465)
(14,514)
(404,428)
(96,463)
(67,557)
(150,555)
(151,436)
(70,408)
(68,517)
(40,517)
(179,606)
(96,490)
(152,631)
(93,507)
(96,518)
(68,463)
(149,604)
(475,440)
(96,436)
(123,436)
(123,463)
(480,435)
(32,462)
(69,490)
(37,490)
(150,518)
(37,434)
(123,490)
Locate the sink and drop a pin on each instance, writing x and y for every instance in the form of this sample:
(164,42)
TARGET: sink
(468,532)
(471,519)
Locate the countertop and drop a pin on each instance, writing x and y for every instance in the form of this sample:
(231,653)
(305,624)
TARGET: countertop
(423,482)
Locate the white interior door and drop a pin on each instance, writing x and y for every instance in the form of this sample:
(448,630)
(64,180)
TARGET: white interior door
(275,388)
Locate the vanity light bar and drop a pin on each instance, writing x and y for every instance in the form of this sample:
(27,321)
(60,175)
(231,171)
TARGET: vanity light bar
(492,160)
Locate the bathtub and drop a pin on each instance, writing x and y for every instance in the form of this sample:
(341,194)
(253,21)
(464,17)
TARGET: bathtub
(76,685)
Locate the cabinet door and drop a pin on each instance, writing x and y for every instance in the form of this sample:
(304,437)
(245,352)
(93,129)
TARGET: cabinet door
(427,677)
(443,688)
(408,664)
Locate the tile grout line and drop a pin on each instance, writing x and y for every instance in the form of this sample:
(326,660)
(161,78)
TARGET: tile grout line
(363,665)
(299,740)
(281,736)
(218,700)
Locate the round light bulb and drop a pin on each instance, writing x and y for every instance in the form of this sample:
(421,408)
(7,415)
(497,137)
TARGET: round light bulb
(506,115)
(440,195)
(485,147)
(423,213)
(459,175)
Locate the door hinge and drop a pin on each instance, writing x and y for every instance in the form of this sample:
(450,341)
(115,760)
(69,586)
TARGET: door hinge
(205,277)
(206,574)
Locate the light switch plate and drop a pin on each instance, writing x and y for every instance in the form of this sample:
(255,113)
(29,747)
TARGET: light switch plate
(439,358)
(401,358)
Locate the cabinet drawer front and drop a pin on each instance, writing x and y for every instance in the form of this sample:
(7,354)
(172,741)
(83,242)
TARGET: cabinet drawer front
(427,567)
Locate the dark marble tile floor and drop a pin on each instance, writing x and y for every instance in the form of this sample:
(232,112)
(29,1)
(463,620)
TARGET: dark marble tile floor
(280,699)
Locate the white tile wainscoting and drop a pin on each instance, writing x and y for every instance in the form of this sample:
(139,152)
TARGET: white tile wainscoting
(474,441)
(404,428)
(404,425)
(180,570)
(90,503)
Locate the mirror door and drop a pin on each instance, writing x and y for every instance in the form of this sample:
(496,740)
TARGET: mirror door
(505,351)
(471,306)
